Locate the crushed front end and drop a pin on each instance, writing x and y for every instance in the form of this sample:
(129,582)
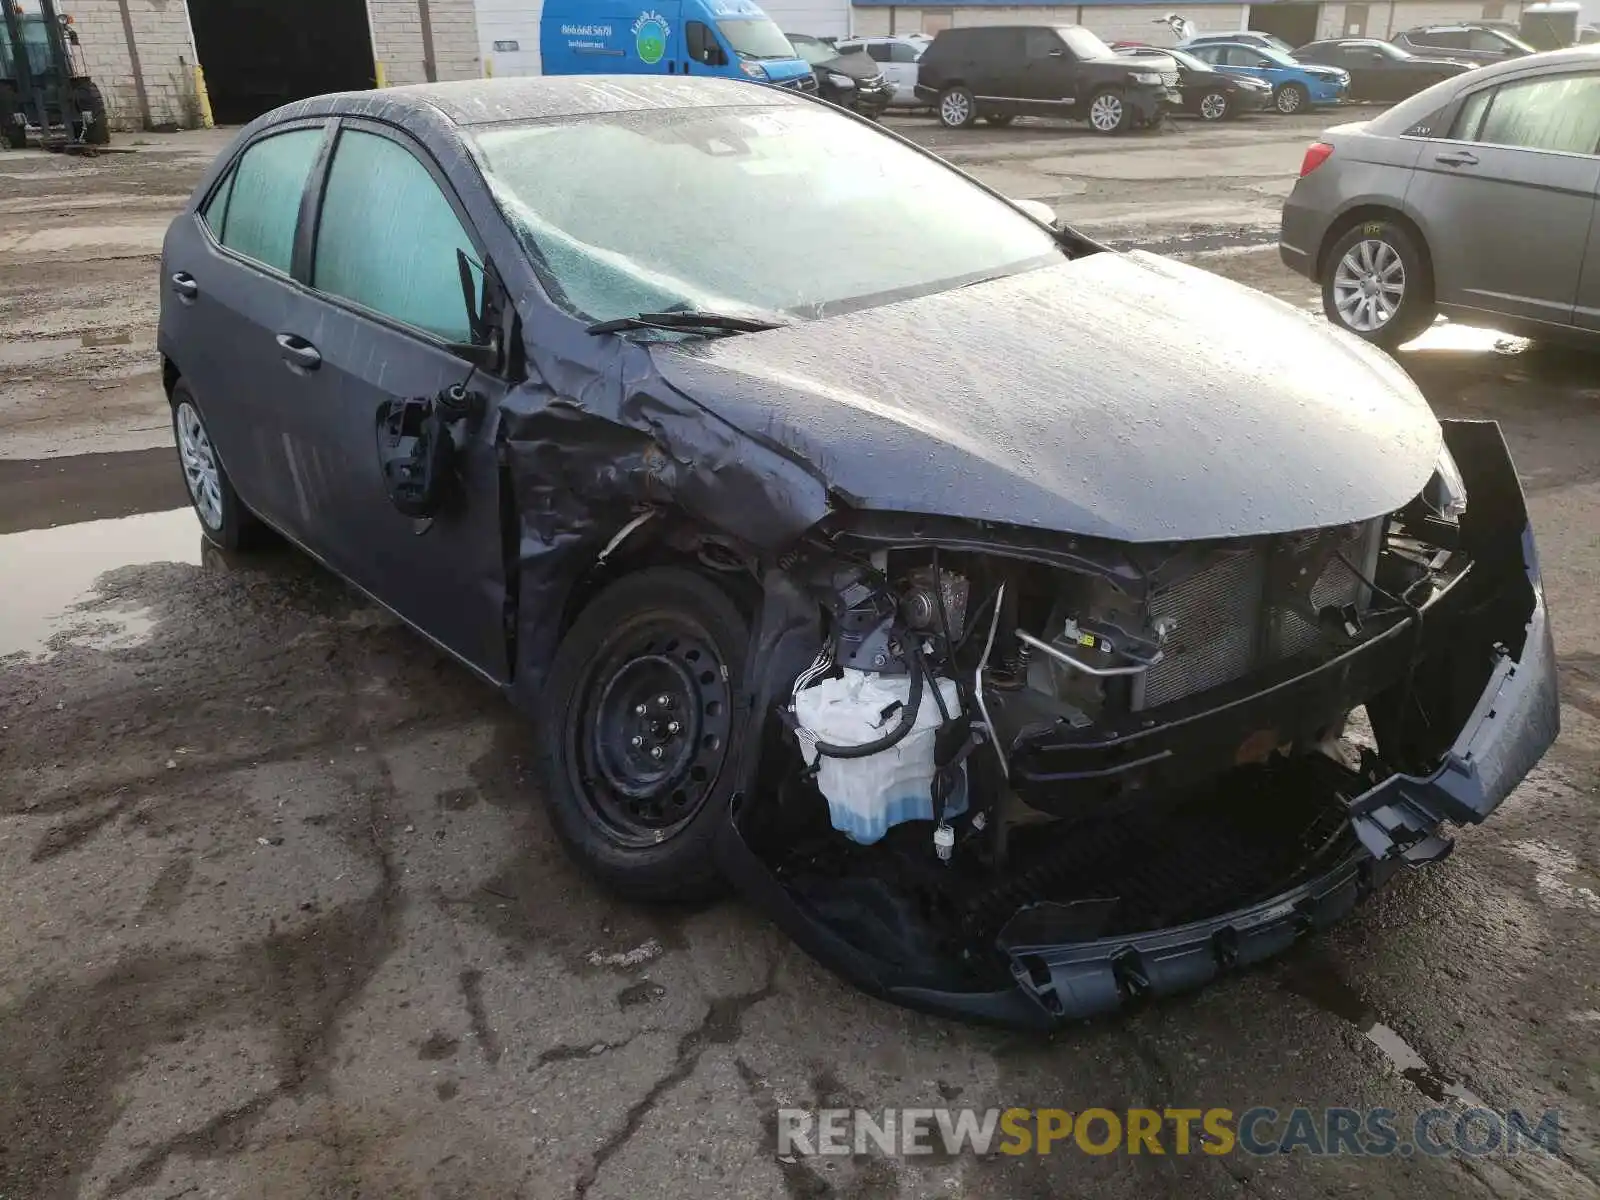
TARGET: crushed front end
(1026,778)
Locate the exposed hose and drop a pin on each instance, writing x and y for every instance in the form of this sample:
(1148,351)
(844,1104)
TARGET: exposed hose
(908,718)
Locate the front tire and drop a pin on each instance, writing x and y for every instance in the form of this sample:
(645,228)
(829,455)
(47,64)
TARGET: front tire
(1290,99)
(12,134)
(1213,106)
(958,108)
(1109,113)
(638,747)
(89,99)
(1376,284)
(224,519)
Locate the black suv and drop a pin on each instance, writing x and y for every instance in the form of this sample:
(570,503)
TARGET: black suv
(1000,72)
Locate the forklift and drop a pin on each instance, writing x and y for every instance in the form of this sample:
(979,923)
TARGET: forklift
(45,91)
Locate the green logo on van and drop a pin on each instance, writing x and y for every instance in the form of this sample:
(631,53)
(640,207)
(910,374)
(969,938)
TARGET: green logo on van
(650,37)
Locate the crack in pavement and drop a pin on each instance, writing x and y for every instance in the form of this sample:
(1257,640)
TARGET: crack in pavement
(722,1024)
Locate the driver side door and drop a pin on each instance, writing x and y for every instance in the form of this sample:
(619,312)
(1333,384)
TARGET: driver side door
(384,307)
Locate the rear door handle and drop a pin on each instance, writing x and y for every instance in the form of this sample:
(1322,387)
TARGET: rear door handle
(184,284)
(1459,158)
(300,354)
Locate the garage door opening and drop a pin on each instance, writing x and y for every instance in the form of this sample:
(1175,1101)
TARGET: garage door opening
(1294,23)
(258,54)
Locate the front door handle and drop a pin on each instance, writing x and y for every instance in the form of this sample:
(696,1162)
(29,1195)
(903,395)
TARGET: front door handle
(184,284)
(300,354)
(1459,158)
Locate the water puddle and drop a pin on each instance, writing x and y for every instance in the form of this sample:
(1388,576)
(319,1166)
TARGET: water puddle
(1315,980)
(52,570)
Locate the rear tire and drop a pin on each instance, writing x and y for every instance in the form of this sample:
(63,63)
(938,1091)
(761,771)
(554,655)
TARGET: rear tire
(11,133)
(958,108)
(224,519)
(1213,106)
(1360,273)
(1109,113)
(1291,98)
(640,797)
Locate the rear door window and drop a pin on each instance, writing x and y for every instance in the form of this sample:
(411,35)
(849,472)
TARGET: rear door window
(258,210)
(901,53)
(388,238)
(1557,114)
(1039,43)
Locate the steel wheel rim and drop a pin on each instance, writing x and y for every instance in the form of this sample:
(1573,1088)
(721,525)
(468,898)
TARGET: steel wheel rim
(1105,113)
(1214,107)
(639,778)
(199,466)
(1369,285)
(1288,100)
(954,109)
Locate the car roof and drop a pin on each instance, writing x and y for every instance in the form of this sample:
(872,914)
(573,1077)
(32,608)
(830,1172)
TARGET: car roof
(470,102)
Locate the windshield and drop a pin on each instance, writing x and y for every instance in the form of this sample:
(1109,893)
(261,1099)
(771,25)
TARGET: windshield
(1276,42)
(1277,57)
(777,212)
(1184,59)
(812,50)
(756,37)
(1512,41)
(1084,43)
(1383,48)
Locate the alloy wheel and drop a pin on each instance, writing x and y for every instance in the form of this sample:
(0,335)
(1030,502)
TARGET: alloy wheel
(1214,106)
(1105,114)
(1288,100)
(1369,285)
(955,109)
(199,466)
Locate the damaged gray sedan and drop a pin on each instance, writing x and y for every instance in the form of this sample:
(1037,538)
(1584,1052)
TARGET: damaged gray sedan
(1027,627)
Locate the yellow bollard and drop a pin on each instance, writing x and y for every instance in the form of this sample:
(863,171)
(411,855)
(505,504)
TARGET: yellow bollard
(488,67)
(203,98)
(382,75)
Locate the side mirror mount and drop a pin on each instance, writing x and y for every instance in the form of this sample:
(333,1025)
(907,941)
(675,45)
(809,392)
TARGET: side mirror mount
(1264,64)
(480,293)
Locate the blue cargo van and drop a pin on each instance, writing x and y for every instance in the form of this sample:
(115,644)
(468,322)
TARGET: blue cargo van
(668,37)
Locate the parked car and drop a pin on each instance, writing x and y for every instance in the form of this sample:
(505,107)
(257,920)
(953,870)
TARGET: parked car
(1476,198)
(1296,86)
(1468,43)
(1379,70)
(864,579)
(897,58)
(1208,93)
(850,80)
(1001,72)
(1243,37)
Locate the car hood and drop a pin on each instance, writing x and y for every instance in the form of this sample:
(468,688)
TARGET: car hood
(1324,72)
(1119,395)
(857,66)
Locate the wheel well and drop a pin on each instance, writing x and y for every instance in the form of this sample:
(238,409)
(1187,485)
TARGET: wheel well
(169,375)
(671,540)
(1372,212)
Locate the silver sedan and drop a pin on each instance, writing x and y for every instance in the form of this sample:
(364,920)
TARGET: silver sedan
(1478,198)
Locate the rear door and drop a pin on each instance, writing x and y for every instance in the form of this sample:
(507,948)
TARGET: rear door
(385,305)
(1049,72)
(1587,312)
(1507,201)
(996,62)
(229,282)
(898,62)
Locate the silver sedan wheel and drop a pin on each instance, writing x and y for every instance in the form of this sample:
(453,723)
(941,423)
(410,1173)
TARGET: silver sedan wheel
(1288,100)
(1105,114)
(1214,107)
(199,466)
(1369,285)
(955,109)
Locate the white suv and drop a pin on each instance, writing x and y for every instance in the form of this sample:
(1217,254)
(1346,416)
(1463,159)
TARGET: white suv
(896,57)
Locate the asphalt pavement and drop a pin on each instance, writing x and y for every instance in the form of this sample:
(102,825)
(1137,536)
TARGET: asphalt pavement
(286,917)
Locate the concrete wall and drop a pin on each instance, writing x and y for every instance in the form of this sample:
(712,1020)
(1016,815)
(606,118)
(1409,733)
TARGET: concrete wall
(1112,22)
(164,48)
(1385,19)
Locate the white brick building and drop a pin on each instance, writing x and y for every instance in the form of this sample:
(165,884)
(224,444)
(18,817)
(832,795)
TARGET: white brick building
(143,52)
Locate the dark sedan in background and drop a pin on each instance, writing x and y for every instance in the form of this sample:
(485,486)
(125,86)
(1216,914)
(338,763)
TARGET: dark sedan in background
(851,81)
(1208,93)
(1379,70)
